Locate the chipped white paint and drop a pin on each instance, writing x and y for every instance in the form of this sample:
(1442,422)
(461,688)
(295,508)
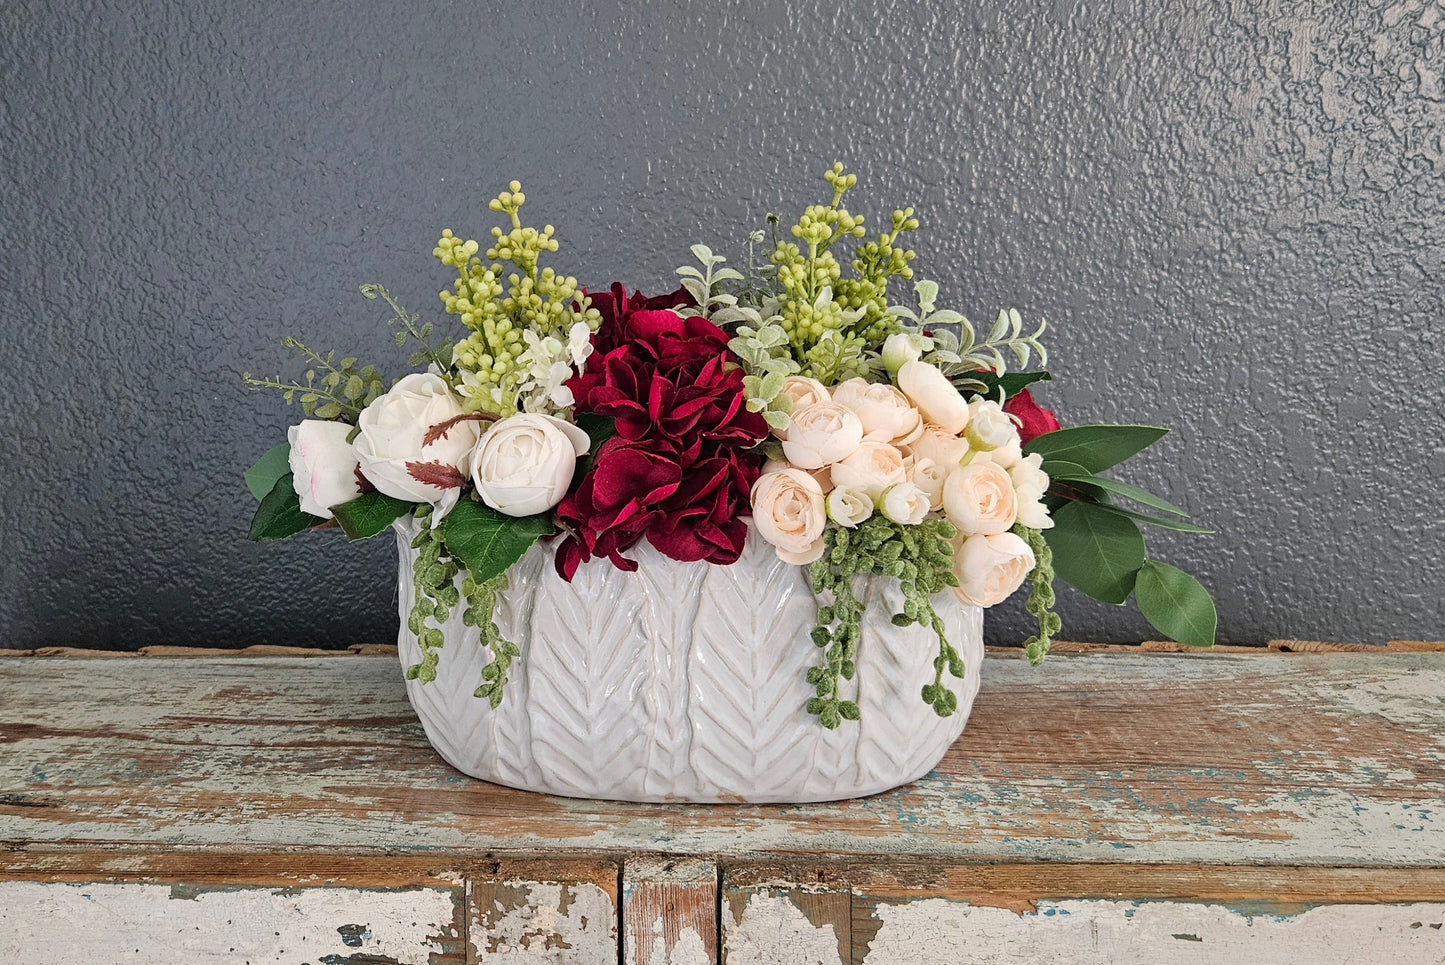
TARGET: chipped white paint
(45,923)
(934,931)
(689,949)
(771,929)
(575,928)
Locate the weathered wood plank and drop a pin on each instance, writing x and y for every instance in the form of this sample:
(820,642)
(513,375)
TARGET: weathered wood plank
(1300,759)
(669,911)
(554,912)
(77,909)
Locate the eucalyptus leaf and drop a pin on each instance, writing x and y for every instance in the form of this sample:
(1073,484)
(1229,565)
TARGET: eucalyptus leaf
(1176,604)
(369,514)
(1096,550)
(1095,447)
(279,514)
(261,477)
(488,542)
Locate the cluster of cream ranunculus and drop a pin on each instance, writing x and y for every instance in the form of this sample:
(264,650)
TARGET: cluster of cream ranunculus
(904,450)
(415,443)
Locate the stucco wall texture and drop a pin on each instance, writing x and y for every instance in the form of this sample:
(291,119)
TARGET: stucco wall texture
(1232,214)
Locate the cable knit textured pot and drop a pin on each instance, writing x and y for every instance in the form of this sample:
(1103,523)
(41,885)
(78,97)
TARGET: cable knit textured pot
(685,682)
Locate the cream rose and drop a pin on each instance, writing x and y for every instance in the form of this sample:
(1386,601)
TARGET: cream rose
(929,390)
(800,391)
(820,434)
(885,412)
(323,465)
(904,503)
(979,498)
(392,446)
(524,463)
(1030,484)
(873,467)
(848,506)
(945,448)
(929,476)
(988,427)
(788,512)
(990,568)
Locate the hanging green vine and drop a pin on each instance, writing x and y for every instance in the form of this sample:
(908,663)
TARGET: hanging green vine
(1041,595)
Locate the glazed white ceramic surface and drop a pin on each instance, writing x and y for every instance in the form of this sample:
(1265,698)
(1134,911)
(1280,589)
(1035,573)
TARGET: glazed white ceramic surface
(685,682)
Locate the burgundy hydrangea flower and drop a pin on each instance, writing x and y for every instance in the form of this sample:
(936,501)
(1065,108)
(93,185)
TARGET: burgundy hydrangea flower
(684,458)
(616,307)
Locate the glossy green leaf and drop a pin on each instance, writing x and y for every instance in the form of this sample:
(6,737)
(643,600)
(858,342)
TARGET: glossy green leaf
(369,514)
(261,477)
(1096,550)
(1095,447)
(280,515)
(1114,486)
(488,542)
(1176,604)
(1011,382)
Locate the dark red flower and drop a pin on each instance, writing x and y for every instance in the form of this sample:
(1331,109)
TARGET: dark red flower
(1034,419)
(616,308)
(676,396)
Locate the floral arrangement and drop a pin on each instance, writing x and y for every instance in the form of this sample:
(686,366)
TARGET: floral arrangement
(858,434)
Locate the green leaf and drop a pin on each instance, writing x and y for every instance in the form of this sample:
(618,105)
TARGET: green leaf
(369,514)
(1079,474)
(1011,382)
(261,477)
(1096,550)
(488,542)
(1163,522)
(280,515)
(1095,447)
(1176,604)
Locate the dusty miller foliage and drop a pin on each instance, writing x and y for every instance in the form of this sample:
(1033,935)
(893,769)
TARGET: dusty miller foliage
(919,557)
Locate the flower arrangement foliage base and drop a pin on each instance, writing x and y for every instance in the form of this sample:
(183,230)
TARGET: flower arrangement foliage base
(685,682)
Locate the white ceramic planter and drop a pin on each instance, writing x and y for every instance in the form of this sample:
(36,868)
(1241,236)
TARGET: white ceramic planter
(685,682)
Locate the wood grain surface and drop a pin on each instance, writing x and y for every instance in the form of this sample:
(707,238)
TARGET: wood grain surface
(1294,759)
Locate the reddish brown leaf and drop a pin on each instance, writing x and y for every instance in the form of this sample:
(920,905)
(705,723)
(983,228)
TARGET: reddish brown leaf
(437,474)
(440,430)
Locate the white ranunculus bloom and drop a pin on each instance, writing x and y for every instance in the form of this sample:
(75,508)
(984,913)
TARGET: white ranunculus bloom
(788,512)
(885,412)
(989,427)
(980,498)
(904,503)
(990,568)
(524,463)
(945,448)
(935,397)
(1030,484)
(801,391)
(392,445)
(929,476)
(821,434)
(872,467)
(323,465)
(848,506)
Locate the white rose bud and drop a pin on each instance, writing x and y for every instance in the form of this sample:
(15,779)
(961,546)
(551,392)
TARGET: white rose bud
(848,506)
(899,349)
(323,465)
(885,412)
(873,467)
(990,568)
(989,427)
(393,448)
(820,434)
(929,390)
(929,476)
(979,498)
(524,463)
(904,503)
(1006,456)
(1030,484)
(788,512)
(800,391)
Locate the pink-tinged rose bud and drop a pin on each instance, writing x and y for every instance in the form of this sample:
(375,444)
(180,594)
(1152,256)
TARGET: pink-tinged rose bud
(904,503)
(323,465)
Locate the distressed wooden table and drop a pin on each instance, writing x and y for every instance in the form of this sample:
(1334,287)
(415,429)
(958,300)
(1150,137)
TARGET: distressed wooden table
(1108,807)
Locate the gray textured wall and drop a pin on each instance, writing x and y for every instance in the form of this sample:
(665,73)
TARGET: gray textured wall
(1231,213)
